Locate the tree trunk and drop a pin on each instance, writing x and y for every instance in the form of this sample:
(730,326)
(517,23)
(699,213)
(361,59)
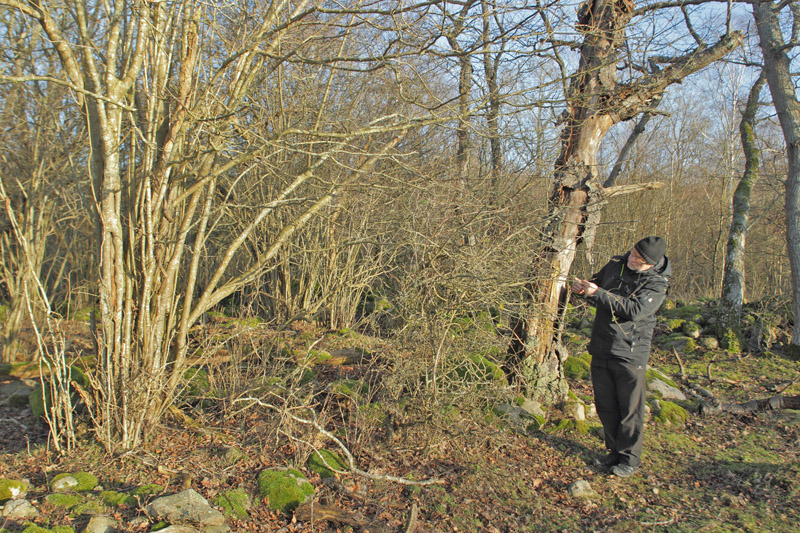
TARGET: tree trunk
(733,278)
(490,68)
(596,101)
(777,65)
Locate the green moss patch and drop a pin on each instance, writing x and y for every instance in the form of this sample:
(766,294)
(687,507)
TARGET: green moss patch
(576,368)
(235,503)
(116,499)
(11,488)
(145,491)
(86,481)
(64,500)
(324,462)
(668,412)
(286,488)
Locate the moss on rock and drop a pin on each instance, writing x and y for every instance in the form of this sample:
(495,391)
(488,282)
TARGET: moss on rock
(576,368)
(113,498)
(11,488)
(668,412)
(64,500)
(286,488)
(235,503)
(145,491)
(324,462)
(86,481)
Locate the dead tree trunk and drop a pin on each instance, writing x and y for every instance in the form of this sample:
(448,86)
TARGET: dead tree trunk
(775,403)
(596,101)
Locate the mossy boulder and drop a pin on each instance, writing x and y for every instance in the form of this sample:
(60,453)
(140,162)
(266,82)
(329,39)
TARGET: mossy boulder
(570,425)
(85,481)
(730,341)
(11,489)
(653,374)
(113,498)
(678,341)
(235,503)
(692,330)
(669,413)
(64,500)
(577,368)
(674,324)
(285,488)
(708,342)
(324,462)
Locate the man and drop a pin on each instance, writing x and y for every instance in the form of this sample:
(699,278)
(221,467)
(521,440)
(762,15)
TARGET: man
(626,292)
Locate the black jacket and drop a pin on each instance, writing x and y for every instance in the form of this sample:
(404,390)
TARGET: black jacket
(626,303)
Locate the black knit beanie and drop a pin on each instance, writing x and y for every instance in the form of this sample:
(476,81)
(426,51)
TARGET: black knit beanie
(651,249)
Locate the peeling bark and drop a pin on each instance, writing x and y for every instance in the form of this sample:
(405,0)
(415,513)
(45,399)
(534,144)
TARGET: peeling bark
(595,102)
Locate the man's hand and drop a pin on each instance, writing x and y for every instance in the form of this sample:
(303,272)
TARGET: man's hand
(583,287)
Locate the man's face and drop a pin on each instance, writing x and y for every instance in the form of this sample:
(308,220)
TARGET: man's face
(636,263)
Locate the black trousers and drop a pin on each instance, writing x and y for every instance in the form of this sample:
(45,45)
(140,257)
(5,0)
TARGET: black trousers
(619,395)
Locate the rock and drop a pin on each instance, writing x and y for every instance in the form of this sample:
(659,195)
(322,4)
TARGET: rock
(19,510)
(709,343)
(100,524)
(667,392)
(235,503)
(692,330)
(581,489)
(533,408)
(12,489)
(64,483)
(16,393)
(231,455)
(185,507)
(179,529)
(591,411)
(78,482)
(519,416)
(286,488)
(576,411)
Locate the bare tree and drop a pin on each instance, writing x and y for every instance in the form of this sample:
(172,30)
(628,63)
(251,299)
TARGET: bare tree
(168,93)
(775,48)
(596,101)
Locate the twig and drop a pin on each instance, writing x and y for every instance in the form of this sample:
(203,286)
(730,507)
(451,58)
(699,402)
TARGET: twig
(789,385)
(20,424)
(350,460)
(708,368)
(680,362)
(412,520)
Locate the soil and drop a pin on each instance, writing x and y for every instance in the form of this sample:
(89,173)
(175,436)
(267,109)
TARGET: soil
(713,473)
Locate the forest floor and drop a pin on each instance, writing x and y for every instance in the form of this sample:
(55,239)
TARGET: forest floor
(713,473)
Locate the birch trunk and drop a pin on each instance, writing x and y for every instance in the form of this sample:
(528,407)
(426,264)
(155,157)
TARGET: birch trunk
(733,281)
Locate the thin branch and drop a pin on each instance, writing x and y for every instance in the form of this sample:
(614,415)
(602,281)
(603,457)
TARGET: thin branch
(350,459)
(76,88)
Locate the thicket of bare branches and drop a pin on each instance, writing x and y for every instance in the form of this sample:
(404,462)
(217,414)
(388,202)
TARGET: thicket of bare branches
(372,164)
